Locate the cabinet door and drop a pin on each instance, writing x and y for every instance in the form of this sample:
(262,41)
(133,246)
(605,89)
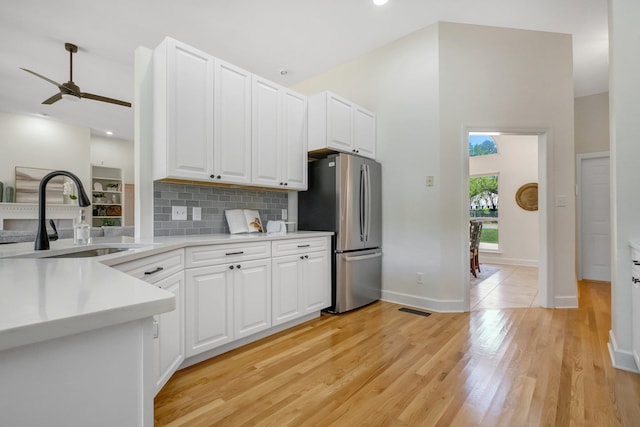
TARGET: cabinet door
(339,123)
(209,308)
(169,351)
(252,297)
(294,140)
(189,105)
(266,133)
(232,123)
(286,288)
(364,132)
(316,284)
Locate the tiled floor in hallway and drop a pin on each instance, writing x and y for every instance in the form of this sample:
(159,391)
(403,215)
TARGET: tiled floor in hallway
(510,286)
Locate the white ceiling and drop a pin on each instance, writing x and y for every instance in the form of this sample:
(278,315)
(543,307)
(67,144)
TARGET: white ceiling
(306,37)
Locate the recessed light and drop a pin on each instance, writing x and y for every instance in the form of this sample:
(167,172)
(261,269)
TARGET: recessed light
(380,2)
(109,133)
(283,72)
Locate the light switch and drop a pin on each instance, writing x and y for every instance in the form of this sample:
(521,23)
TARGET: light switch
(562,201)
(197,214)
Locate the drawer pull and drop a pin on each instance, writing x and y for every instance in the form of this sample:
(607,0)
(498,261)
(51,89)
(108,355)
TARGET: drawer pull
(235,253)
(636,262)
(303,246)
(148,273)
(635,280)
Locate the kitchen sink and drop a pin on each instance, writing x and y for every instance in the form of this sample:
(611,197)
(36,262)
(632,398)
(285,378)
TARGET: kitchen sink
(79,252)
(88,253)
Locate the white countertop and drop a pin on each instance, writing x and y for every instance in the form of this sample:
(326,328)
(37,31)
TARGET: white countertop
(44,298)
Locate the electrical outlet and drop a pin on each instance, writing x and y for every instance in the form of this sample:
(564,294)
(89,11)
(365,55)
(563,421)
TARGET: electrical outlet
(197,214)
(178,213)
(430,181)
(420,278)
(284,214)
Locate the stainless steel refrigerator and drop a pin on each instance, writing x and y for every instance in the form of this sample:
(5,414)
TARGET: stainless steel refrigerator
(344,196)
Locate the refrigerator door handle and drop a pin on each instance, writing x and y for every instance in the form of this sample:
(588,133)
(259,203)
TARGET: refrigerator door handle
(362,257)
(368,204)
(361,203)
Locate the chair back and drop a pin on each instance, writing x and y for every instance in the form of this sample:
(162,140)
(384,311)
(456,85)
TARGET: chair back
(475,230)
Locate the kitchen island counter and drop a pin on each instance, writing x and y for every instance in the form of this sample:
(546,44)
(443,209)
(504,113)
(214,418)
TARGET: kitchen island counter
(43,298)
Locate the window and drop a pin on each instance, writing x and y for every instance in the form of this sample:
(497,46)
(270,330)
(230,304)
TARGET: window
(482,145)
(483,206)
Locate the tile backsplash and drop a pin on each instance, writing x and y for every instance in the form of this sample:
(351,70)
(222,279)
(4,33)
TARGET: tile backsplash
(213,201)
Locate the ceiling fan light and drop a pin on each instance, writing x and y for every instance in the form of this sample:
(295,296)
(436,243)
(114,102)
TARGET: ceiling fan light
(70,97)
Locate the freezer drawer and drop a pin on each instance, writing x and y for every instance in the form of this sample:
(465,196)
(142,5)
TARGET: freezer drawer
(358,279)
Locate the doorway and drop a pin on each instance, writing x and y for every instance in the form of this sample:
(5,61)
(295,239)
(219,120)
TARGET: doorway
(525,257)
(594,243)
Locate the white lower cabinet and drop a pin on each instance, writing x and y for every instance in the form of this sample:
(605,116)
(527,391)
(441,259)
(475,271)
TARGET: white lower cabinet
(635,305)
(209,306)
(300,285)
(169,338)
(227,302)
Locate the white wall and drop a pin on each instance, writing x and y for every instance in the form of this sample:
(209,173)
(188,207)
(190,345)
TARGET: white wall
(516,164)
(624,105)
(592,123)
(42,143)
(400,83)
(115,153)
(426,88)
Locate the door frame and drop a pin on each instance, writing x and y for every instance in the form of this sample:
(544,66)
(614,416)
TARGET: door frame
(579,159)
(546,272)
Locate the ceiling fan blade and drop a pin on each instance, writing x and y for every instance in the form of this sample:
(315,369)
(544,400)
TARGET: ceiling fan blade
(54,98)
(42,77)
(104,99)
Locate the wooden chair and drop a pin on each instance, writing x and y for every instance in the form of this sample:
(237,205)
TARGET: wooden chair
(475,230)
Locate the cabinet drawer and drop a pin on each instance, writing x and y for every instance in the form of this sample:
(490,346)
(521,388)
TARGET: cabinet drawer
(200,256)
(155,267)
(296,246)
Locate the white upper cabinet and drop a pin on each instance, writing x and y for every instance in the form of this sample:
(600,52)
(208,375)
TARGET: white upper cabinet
(294,140)
(364,124)
(217,123)
(183,112)
(279,118)
(232,124)
(338,124)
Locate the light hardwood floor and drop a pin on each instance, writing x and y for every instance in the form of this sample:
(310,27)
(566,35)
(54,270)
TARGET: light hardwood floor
(381,367)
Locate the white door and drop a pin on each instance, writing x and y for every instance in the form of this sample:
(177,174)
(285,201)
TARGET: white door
(294,140)
(339,123)
(365,132)
(285,287)
(169,345)
(189,112)
(316,282)
(232,124)
(266,130)
(594,207)
(209,308)
(252,297)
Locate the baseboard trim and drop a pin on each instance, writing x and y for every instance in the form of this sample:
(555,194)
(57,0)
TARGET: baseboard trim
(565,302)
(621,359)
(440,306)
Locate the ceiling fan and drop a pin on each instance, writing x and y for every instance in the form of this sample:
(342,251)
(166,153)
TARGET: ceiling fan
(70,90)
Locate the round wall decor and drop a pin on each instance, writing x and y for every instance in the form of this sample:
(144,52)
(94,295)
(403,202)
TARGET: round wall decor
(527,196)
